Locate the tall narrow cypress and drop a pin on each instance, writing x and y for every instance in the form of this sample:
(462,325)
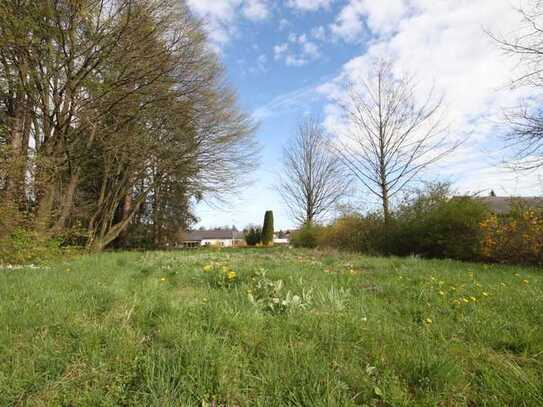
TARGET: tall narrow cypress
(267,229)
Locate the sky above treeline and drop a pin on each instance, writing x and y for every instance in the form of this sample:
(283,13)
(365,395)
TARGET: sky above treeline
(287,59)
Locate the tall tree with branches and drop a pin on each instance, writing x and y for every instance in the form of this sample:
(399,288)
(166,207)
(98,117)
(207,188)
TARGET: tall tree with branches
(114,112)
(312,181)
(525,122)
(391,136)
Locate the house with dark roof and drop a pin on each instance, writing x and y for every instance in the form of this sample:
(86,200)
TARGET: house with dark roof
(501,205)
(213,237)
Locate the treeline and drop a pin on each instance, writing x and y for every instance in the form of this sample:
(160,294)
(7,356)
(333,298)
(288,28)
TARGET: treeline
(435,224)
(114,119)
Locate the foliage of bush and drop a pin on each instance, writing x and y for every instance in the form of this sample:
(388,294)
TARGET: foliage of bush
(253,235)
(431,225)
(308,236)
(24,247)
(365,234)
(516,238)
(437,226)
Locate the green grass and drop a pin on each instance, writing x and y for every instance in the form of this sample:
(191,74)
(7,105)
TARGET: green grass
(155,329)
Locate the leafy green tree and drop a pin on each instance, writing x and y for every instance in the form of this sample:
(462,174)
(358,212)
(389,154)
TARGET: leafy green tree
(267,229)
(253,235)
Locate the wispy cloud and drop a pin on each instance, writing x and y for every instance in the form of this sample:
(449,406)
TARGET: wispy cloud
(295,101)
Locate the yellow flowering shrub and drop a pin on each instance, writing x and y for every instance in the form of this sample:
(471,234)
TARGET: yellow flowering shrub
(515,238)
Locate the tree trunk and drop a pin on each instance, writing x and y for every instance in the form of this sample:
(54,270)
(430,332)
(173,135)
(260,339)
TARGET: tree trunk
(18,136)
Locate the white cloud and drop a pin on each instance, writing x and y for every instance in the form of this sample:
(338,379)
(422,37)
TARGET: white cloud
(380,16)
(256,10)
(298,51)
(319,33)
(280,50)
(221,16)
(445,45)
(309,5)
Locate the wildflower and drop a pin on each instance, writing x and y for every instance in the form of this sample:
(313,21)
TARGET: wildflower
(208,268)
(457,302)
(163,279)
(231,275)
(441,293)
(473,298)
(429,321)
(525,281)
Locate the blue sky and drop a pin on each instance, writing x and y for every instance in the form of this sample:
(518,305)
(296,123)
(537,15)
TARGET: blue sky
(286,59)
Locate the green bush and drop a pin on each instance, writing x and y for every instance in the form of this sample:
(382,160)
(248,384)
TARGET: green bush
(431,225)
(253,235)
(437,226)
(26,247)
(358,233)
(309,236)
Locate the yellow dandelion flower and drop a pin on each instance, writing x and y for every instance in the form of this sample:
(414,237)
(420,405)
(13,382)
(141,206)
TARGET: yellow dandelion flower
(525,281)
(231,275)
(208,268)
(163,279)
(429,320)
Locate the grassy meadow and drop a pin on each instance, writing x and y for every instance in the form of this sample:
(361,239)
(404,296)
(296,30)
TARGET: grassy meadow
(271,327)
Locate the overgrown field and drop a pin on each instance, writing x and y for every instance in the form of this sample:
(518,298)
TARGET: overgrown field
(219,328)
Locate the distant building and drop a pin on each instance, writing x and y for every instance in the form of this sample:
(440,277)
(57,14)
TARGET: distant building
(501,205)
(216,238)
(281,237)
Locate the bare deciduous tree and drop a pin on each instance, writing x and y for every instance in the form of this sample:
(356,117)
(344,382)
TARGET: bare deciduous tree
(525,123)
(391,136)
(313,181)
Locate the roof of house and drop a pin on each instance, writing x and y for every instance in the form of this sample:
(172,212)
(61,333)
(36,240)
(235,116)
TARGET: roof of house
(502,204)
(216,234)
